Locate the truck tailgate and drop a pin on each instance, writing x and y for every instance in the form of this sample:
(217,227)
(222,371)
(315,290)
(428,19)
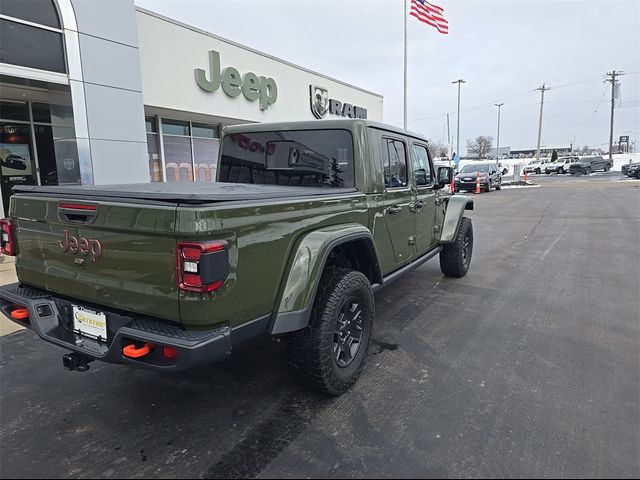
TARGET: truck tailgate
(114,252)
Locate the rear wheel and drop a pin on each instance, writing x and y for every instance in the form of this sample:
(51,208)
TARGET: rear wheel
(455,258)
(329,355)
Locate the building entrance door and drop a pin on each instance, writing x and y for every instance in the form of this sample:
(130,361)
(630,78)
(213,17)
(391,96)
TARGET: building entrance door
(17,162)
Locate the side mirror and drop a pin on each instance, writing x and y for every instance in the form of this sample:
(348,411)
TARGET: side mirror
(445,175)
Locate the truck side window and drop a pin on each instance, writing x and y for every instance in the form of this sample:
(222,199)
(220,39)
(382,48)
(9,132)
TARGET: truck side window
(421,167)
(394,160)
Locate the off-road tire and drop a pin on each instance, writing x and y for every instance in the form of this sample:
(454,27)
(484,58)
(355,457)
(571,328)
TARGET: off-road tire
(453,261)
(310,352)
(561,171)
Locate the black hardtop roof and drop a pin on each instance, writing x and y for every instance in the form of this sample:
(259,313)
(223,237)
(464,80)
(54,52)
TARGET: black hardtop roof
(349,124)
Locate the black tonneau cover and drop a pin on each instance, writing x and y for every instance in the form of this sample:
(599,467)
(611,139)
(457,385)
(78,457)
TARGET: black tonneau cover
(185,192)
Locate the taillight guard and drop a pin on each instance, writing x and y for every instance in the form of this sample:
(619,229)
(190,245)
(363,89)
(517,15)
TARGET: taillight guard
(202,267)
(7,239)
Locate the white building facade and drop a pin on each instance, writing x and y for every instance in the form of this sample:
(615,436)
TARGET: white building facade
(101,92)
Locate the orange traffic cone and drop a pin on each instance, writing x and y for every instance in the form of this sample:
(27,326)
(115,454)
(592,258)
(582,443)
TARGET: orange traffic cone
(477,182)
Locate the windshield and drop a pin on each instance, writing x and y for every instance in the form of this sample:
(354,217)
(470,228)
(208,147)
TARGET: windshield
(475,168)
(297,158)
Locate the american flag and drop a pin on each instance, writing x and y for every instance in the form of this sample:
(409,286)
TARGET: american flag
(430,14)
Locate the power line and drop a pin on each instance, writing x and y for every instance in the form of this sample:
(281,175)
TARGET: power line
(584,135)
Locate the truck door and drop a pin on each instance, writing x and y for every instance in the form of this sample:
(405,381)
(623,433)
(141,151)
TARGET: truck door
(424,207)
(398,198)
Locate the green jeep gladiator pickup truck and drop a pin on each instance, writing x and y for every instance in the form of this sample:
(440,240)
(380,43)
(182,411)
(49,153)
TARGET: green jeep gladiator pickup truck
(305,222)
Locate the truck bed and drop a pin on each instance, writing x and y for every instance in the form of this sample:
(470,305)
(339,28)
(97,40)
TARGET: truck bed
(183,192)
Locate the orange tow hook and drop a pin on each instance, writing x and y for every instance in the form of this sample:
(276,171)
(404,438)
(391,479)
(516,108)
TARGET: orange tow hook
(132,352)
(20,314)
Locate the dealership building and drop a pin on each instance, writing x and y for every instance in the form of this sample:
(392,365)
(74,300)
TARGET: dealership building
(102,92)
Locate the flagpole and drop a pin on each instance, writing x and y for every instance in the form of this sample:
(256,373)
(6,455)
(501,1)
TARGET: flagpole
(405,64)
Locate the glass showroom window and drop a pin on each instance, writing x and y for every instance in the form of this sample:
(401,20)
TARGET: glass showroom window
(205,152)
(155,163)
(31,35)
(190,150)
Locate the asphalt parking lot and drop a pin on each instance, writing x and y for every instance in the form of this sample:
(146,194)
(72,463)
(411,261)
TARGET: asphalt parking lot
(527,367)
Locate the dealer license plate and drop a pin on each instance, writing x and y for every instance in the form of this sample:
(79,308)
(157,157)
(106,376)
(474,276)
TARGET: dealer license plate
(89,323)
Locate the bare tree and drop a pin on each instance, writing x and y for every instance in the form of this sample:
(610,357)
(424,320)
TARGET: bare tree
(480,147)
(585,149)
(437,149)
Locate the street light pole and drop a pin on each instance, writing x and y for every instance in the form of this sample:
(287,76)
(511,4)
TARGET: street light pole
(498,141)
(459,82)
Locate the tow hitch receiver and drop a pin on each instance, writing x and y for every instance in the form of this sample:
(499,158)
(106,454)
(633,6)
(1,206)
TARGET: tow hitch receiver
(76,361)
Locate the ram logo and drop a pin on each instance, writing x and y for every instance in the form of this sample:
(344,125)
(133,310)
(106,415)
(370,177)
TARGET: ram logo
(319,101)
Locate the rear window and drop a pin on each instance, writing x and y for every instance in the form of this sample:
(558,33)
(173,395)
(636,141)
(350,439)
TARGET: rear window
(307,158)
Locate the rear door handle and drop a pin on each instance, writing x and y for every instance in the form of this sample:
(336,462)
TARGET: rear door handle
(394,209)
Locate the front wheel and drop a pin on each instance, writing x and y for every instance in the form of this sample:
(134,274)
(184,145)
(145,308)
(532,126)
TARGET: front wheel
(329,354)
(537,171)
(489,186)
(499,186)
(607,168)
(588,171)
(561,171)
(455,258)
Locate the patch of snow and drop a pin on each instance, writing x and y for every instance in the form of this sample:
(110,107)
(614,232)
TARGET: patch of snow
(622,159)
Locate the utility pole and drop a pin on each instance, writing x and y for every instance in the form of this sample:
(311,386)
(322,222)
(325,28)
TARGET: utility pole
(459,82)
(542,89)
(614,83)
(498,141)
(573,143)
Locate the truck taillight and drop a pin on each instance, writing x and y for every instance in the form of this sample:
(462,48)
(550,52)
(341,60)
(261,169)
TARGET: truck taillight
(202,267)
(8,240)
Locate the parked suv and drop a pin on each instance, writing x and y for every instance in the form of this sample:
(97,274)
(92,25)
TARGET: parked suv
(535,167)
(490,177)
(586,165)
(634,170)
(627,167)
(560,166)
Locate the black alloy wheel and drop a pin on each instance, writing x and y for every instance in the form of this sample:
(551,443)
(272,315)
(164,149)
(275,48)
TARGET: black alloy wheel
(348,333)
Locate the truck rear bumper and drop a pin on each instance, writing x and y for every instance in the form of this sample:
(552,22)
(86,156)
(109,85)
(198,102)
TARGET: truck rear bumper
(51,318)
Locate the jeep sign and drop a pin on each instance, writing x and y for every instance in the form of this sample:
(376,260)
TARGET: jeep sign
(250,85)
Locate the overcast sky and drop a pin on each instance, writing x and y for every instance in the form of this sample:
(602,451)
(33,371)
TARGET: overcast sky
(503,49)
